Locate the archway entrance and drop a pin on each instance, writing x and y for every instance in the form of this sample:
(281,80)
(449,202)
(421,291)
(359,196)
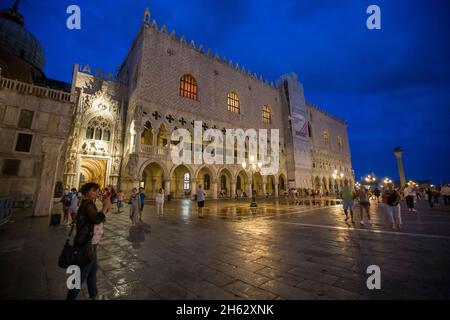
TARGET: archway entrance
(93,170)
(225,183)
(180,182)
(152,179)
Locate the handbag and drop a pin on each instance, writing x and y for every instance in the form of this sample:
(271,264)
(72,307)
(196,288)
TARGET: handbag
(79,256)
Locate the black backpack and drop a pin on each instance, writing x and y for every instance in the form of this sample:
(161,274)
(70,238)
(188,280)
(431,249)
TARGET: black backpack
(393,199)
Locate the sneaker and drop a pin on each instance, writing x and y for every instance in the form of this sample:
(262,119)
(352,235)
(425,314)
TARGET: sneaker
(346,218)
(361,222)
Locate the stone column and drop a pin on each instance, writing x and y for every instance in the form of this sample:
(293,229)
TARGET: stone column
(276,188)
(167,187)
(215,189)
(43,197)
(193,187)
(264,182)
(138,139)
(398,152)
(233,188)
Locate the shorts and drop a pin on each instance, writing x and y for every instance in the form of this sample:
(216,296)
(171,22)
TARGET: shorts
(201,204)
(348,204)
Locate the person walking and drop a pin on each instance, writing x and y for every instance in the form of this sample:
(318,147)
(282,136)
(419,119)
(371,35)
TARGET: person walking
(364,205)
(200,201)
(120,199)
(87,218)
(392,198)
(135,204)
(159,200)
(347,195)
(409,194)
(142,199)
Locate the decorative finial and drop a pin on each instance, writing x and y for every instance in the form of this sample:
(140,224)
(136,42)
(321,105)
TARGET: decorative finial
(15,6)
(147,16)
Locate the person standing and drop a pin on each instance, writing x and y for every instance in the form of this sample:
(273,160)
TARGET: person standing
(445,191)
(409,194)
(120,198)
(135,204)
(377,194)
(74,203)
(88,216)
(364,205)
(159,200)
(65,200)
(142,199)
(106,200)
(347,195)
(430,197)
(393,206)
(200,200)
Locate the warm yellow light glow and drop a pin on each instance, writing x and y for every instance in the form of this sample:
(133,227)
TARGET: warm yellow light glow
(244,165)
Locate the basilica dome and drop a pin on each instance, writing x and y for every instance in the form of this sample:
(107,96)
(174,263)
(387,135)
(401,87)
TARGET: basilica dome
(18,41)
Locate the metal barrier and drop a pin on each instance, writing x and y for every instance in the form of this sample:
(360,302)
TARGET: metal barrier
(6,206)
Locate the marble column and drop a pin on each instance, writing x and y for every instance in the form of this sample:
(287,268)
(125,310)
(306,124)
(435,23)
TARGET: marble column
(233,188)
(398,152)
(167,187)
(50,160)
(138,139)
(215,189)
(193,187)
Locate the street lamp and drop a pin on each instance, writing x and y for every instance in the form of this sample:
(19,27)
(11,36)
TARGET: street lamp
(337,175)
(252,169)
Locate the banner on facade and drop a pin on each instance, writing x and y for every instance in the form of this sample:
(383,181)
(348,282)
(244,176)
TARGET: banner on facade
(299,125)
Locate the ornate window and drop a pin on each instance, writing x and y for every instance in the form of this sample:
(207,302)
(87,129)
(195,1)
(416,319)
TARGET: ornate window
(147,134)
(99,129)
(266,115)
(188,87)
(326,136)
(339,141)
(233,103)
(187,181)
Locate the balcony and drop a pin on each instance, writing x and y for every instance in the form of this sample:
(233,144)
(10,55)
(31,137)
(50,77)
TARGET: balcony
(30,89)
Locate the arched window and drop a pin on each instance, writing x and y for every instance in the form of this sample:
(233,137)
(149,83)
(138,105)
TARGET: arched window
(147,134)
(206,181)
(233,103)
(326,136)
(99,128)
(187,181)
(188,87)
(266,115)
(282,183)
(90,133)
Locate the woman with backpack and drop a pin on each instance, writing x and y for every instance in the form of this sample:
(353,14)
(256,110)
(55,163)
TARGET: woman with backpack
(88,218)
(391,198)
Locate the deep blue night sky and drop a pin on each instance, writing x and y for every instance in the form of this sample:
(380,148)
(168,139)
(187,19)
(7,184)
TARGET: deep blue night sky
(391,85)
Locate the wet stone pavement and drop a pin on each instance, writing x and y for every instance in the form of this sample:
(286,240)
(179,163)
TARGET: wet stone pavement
(276,251)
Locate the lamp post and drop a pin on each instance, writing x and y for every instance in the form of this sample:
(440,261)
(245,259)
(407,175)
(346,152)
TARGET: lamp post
(337,176)
(252,169)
